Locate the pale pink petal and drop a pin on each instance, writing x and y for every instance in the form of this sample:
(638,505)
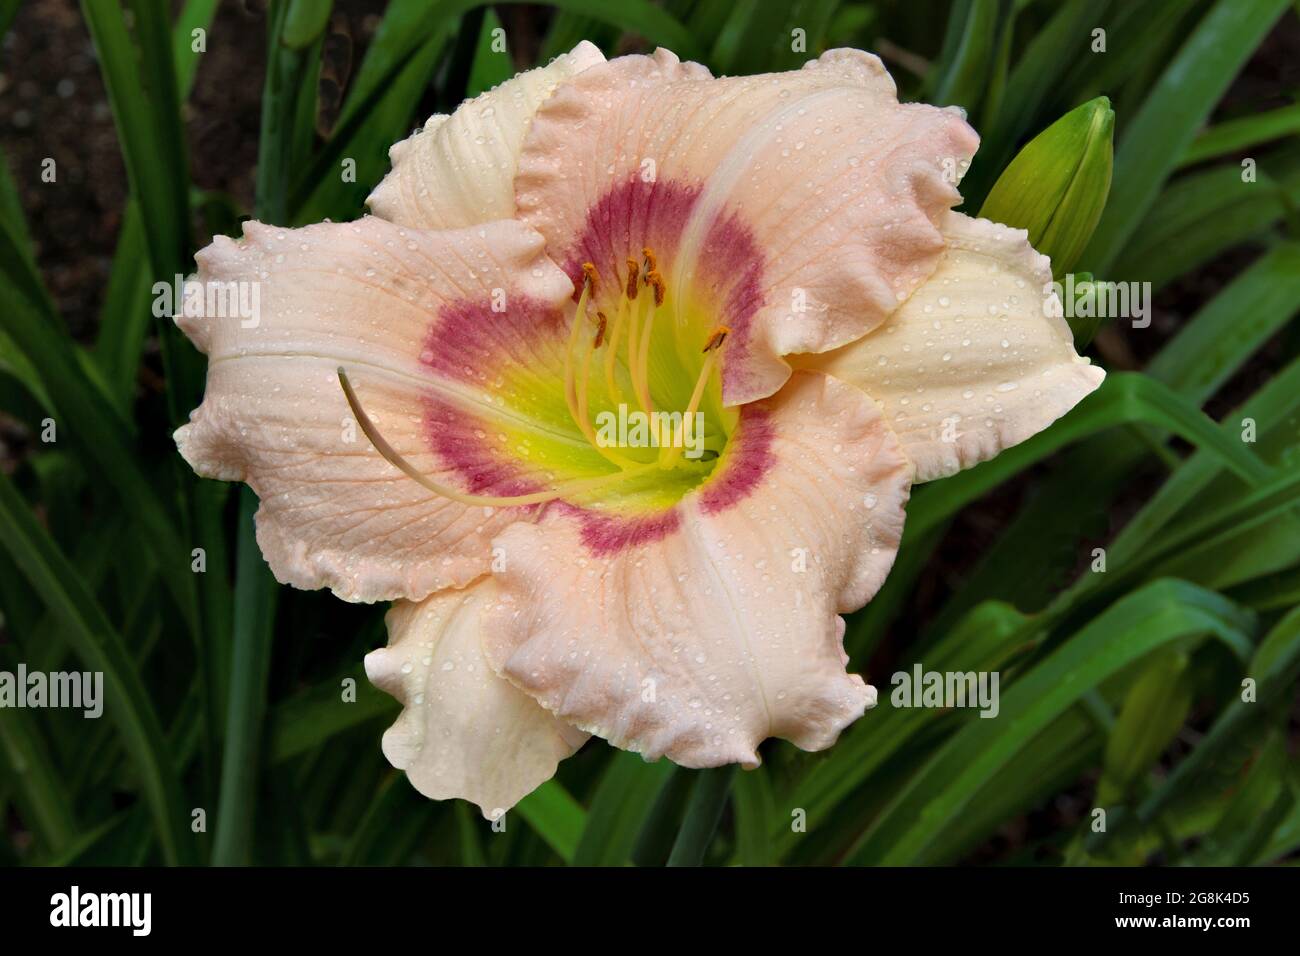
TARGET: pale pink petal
(367,296)
(463,731)
(459,170)
(699,634)
(978,359)
(797,208)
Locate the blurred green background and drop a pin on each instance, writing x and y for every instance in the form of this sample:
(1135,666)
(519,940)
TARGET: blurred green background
(1121,691)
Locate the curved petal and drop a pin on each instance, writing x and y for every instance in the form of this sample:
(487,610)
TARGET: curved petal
(700,639)
(463,731)
(798,209)
(977,360)
(459,170)
(364,296)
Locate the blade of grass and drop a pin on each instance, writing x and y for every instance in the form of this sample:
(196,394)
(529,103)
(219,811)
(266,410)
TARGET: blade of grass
(659,831)
(1275,667)
(396,817)
(1036,73)
(1240,134)
(1027,563)
(962,74)
(471,850)
(254,619)
(755,812)
(703,814)
(555,817)
(1173,112)
(88,417)
(142,92)
(623,801)
(1162,614)
(1123,399)
(1173,240)
(194,15)
(490,66)
(39,790)
(100,648)
(125,318)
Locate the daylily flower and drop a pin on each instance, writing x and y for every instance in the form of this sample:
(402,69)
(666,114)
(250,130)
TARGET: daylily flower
(777,254)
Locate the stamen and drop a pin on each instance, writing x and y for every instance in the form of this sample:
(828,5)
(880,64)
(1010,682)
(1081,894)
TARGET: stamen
(656,281)
(632,276)
(635,310)
(712,348)
(611,353)
(570,392)
(575,388)
(583,406)
(392,456)
(717,338)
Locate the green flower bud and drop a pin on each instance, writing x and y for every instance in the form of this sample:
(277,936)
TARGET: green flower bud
(1057,186)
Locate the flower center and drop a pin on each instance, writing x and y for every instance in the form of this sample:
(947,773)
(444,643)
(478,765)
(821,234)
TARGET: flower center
(621,372)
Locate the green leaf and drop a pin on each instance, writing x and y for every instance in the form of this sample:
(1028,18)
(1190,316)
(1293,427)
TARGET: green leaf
(1124,398)
(985,639)
(1173,113)
(556,817)
(290,82)
(87,417)
(490,67)
(42,793)
(100,648)
(1162,614)
(967,61)
(1255,811)
(1173,240)
(1242,134)
(703,813)
(254,618)
(125,320)
(1153,712)
(755,813)
(1034,78)
(624,798)
(304,22)
(1273,405)
(142,91)
(1238,320)
(194,15)
(309,720)
(375,114)
(1273,669)
(467,827)
(396,819)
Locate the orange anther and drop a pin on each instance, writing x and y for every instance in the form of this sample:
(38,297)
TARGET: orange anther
(656,280)
(632,276)
(716,338)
